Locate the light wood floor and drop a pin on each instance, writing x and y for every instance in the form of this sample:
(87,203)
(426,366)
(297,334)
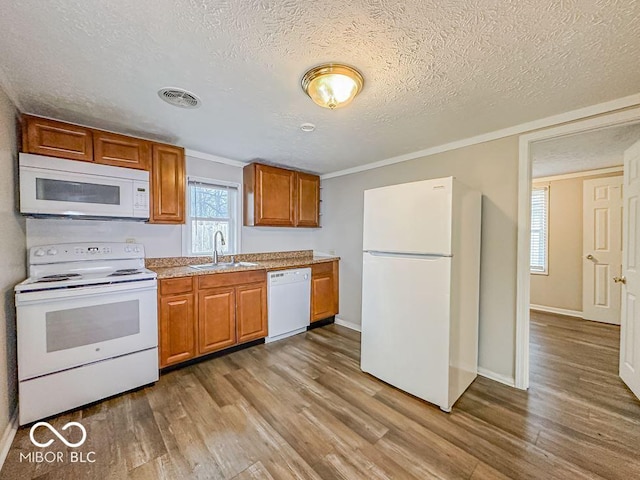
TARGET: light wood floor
(301,408)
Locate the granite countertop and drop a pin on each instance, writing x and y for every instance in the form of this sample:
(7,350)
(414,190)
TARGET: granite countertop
(172,267)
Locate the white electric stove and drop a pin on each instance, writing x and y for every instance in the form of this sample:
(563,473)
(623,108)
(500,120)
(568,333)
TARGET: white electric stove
(87,326)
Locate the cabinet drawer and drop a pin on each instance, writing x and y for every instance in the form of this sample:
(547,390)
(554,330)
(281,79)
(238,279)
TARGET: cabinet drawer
(319,268)
(232,278)
(172,286)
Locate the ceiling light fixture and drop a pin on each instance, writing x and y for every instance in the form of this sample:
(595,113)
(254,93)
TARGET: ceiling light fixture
(332,85)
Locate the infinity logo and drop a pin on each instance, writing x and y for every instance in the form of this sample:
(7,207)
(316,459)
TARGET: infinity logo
(57,434)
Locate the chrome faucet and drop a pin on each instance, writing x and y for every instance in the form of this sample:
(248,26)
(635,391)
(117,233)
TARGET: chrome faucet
(214,257)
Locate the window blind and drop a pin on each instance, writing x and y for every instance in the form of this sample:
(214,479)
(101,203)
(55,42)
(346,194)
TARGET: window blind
(539,229)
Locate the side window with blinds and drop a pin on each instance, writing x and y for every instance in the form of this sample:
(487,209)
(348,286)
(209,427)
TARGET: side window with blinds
(540,230)
(212,207)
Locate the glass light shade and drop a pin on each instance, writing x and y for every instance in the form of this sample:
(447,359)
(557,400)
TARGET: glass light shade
(332,86)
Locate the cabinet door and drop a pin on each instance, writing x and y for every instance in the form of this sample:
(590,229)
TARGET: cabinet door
(324,291)
(167,184)
(308,206)
(275,196)
(216,319)
(121,151)
(251,311)
(177,329)
(56,139)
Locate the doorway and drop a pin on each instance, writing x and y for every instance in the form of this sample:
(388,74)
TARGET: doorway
(524,253)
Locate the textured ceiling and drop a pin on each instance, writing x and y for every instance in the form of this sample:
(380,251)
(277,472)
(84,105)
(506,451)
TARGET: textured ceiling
(435,71)
(583,151)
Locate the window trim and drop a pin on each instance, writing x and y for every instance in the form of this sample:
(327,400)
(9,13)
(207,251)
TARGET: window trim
(186,227)
(547,189)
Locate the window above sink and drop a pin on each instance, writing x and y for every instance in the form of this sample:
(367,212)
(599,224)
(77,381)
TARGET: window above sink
(212,205)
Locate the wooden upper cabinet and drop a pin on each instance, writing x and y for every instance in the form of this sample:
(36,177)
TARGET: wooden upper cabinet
(167,184)
(177,329)
(251,312)
(121,151)
(308,196)
(270,195)
(324,290)
(56,139)
(278,197)
(216,319)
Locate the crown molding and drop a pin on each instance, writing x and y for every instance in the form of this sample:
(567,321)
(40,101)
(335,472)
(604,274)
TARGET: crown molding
(573,115)
(213,158)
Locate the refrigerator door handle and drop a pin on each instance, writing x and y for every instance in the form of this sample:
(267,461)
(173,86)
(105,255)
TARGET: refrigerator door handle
(379,253)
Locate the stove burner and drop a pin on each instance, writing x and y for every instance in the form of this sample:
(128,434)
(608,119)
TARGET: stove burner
(125,271)
(58,277)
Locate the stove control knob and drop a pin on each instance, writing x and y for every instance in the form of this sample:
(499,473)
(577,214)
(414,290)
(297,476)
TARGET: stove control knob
(127,249)
(137,250)
(52,251)
(39,253)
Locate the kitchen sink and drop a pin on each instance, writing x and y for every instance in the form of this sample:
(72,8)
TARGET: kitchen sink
(222,265)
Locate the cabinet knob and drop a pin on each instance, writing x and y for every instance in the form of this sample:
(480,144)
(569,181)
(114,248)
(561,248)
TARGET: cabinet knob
(622,280)
(589,257)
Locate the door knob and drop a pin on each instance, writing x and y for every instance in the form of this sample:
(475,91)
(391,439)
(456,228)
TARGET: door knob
(621,279)
(589,257)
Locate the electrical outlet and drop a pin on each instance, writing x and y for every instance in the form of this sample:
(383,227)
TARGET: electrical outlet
(131,240)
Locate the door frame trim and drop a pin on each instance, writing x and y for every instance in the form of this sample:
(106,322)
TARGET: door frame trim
(616,118)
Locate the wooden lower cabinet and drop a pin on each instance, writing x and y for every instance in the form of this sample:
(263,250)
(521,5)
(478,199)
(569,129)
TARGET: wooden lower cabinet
(324,290)
(216,319)
(251,312)
(177,329)
(207,313)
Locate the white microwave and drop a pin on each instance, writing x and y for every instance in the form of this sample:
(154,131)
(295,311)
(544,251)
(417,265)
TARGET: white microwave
(71,188)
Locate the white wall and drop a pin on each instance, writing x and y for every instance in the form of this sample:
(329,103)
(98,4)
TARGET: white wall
(12,265)
(166,240)
(491,168)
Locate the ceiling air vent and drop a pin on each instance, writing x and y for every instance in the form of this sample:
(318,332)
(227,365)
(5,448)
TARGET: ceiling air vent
(179,97)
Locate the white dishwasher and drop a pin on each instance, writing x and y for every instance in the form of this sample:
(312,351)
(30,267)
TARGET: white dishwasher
(289,302)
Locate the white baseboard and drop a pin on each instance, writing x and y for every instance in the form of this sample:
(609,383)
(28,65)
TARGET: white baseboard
(345,323)
(558,311)
(8,436)
(496,377)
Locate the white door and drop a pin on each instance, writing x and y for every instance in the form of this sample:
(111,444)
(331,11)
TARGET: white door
(630,279)
(602,249)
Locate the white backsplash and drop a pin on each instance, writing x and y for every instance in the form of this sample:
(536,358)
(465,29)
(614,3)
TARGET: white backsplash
(158,240)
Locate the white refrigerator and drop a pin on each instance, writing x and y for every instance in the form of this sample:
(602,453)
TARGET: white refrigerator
(420,287)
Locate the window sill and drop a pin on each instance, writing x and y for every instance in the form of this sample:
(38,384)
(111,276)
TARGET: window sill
(539,273)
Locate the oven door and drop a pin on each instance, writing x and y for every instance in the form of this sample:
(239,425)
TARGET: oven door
(66,328)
